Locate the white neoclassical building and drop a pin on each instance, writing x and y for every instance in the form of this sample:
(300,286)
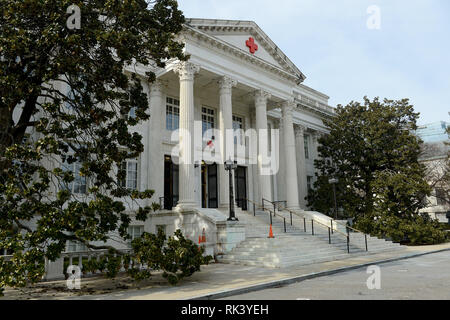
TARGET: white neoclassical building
(236,79)
(238,98)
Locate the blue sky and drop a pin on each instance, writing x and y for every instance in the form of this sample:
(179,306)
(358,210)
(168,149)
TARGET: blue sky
(409,57)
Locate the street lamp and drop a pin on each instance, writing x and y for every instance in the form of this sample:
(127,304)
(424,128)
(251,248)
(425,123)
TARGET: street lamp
(230,166)
(334,181)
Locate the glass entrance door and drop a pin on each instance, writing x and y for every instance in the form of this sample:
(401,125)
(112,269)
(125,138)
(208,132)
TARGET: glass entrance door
(209,186)
(171,192)
(240,182)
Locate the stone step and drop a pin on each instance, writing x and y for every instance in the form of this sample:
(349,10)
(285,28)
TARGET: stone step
(302,251)
(288,261)
(288,255)
(296,247)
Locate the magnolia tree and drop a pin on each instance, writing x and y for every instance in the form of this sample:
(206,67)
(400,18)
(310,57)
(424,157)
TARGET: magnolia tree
(85,131)
(374,154)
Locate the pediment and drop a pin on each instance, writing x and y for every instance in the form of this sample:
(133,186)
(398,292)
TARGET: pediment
(236,33)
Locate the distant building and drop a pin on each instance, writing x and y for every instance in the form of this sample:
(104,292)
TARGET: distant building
(433,132)
(434,156)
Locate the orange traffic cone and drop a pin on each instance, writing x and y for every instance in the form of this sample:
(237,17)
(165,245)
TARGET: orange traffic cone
(271,233)
(203,236)
(199,243)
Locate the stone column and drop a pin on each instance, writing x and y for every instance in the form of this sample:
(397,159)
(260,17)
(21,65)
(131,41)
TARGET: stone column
(261,98)
(289,153)
(281,175)
(186,72)
(301,164)
(226,85)
(155,154)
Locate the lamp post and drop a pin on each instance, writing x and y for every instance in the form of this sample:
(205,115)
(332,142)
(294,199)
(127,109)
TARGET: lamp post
(334,181)
(230,166)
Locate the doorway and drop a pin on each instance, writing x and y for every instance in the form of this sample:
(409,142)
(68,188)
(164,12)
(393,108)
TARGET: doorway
(209,186)
(240,182)
(171,193)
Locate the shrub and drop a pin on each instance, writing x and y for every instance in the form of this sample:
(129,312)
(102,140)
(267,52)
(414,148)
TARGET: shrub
(417,230)
(176,256)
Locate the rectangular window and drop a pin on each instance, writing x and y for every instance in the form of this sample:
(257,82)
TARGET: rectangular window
(135,232)
(440,197)
(172,114)
(238,128)
(75,246)
(130,179)
(78,185)
(306,142)
(309,183)
(208,122)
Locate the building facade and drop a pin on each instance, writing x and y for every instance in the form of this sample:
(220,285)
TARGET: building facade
(237,98)
(434,156)
(236,79)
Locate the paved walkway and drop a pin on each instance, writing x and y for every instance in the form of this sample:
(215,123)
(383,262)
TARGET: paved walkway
(214,281)
(421,278)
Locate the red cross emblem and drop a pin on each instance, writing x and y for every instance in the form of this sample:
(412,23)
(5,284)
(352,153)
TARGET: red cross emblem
(252,45)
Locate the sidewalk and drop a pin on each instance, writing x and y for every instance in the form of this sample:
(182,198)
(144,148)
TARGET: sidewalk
(214,281)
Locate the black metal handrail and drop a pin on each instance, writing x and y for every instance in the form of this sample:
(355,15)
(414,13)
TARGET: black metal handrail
(280,201)
(331,229)
(274,204)
(255,205)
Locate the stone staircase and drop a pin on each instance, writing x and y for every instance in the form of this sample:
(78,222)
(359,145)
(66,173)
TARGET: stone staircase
(295,246)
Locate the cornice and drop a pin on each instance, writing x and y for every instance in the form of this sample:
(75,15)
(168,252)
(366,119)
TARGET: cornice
(318,108)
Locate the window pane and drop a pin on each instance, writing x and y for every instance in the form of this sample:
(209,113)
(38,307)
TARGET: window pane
(132,175)
(172,112)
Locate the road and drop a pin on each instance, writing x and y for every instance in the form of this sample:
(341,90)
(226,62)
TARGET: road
(423,278)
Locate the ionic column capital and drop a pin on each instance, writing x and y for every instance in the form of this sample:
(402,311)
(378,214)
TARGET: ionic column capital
(299,130)
(261,97)
(186,70)
(226,83)
(288,107)
(289,104)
